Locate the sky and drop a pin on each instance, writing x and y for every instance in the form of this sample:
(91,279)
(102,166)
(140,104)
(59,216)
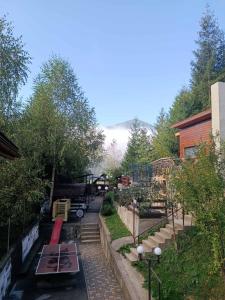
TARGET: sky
(131,57)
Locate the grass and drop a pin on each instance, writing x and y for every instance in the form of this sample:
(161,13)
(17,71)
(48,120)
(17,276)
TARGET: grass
(116,227)
(125,249)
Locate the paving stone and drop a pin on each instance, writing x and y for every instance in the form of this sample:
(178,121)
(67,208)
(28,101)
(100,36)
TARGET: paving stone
(100,280)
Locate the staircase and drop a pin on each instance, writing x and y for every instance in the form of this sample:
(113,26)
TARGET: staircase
(90,233)
(161,238)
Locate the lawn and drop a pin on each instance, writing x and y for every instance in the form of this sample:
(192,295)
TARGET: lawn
(116,227)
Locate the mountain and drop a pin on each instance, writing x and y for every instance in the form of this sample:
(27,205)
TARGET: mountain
(128,124)
(116,139)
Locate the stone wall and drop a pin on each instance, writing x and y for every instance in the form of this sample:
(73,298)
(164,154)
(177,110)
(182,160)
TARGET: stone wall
(113,258)
(129,280)
(128,218)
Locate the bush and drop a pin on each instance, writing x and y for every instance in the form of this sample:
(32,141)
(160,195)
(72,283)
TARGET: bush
(125,249)
(107,209)
(108,200)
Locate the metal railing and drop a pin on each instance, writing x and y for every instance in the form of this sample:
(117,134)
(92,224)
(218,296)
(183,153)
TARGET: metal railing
(162,222)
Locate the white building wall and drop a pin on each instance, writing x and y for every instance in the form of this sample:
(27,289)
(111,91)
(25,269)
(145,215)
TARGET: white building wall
(218,110)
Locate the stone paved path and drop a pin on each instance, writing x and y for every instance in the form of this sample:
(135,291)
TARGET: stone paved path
(100,280)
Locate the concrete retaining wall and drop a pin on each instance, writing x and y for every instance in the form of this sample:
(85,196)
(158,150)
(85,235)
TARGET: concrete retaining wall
(130,218)
(133,222)
(113,258)
(129,279)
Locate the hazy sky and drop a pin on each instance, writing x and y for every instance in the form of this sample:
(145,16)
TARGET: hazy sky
(131,57)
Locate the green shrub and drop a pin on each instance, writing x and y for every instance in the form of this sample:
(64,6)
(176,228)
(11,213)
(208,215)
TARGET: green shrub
(125,249)
(108,200)
(107,209)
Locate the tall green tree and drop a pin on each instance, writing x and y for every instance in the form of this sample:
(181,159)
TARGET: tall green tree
(14,61)
(67,140)
(209,58)
(164,143)
(139,147)
(207,67)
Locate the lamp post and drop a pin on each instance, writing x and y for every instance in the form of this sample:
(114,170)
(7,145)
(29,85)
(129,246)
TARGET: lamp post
(99,189)
(134,207)
(157,251)
(106,190)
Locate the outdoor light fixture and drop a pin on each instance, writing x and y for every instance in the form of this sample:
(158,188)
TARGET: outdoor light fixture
(157,251)
(99,187)
(106,188)
(140,251)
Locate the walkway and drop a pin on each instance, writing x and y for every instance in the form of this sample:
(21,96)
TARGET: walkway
(100,279)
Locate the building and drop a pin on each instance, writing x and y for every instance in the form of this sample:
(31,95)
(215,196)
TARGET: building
(7,148)
(200,127)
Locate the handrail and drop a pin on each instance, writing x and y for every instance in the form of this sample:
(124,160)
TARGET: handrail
(157,224)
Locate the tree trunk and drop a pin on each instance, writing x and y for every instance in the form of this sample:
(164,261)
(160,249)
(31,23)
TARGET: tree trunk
(52,186)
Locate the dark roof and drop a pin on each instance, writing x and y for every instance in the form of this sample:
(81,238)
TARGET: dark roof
(200,117)
(7,148)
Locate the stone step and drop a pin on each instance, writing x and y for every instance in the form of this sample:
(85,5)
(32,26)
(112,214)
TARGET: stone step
(167,231)
(90,234)
(187,223)
(91,241)
(149,244)
(164,235)
(134,252)
(91,227)
(84,229)
(130,257)
(89,224)
(158,239)
(177,227)
(90,237)
(155,242)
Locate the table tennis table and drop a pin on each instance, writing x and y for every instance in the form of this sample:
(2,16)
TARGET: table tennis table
(58,258)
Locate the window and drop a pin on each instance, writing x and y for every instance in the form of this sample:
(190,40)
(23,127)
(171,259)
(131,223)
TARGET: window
(190,152)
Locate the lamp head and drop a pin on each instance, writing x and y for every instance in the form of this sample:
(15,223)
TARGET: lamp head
(99,187)
(140,249)
(157,251)
(106,188)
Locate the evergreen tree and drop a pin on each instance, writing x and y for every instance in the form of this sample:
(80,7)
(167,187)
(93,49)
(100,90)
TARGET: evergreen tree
(139,147)
(164,142)
(209,62)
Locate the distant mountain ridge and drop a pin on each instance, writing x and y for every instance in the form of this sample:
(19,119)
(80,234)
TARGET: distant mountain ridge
(128,124)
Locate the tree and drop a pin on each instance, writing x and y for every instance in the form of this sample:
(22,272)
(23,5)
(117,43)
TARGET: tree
(14,60)
(139,147)
(184,106)
(164,142)
(207,67)
(67,140)
(200,187)
(113,158)
(209,62)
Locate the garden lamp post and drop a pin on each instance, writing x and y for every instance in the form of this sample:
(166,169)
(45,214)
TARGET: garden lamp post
(134,203)
(106,190)
(99,189)
(157,251)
